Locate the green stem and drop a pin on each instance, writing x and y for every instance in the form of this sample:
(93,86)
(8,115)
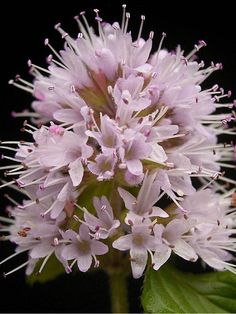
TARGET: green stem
(119,292)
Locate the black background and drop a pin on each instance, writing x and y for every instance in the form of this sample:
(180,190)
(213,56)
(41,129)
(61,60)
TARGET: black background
(24,26)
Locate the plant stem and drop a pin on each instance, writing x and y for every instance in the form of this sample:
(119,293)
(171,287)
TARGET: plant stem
(118,291)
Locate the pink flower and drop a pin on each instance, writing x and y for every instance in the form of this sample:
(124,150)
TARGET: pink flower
(107,109)
(171,239)
(104,225)
(140,242)
(148,195)
(82,248)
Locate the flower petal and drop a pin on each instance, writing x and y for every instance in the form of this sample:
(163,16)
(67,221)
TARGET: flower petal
(128,198)
(134,166)
(161,256)
(76,172)
(70,252)
(84,262)
(41,250)
(123,243)
(98,248)
(184,250)
(138,261)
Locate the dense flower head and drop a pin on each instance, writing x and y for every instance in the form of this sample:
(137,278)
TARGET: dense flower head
(116,129)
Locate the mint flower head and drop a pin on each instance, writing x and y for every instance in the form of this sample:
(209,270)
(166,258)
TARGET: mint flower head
(124,167)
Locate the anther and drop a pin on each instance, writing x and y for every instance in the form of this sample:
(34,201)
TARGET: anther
(57,26)
(29,63)
(202,43)
(130,222)
(56,241)
(154,75)
(17,77)
(151,35)
(64,35)
(49,59)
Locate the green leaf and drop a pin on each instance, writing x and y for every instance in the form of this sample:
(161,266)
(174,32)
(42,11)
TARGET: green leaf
(52,269)
(169,290)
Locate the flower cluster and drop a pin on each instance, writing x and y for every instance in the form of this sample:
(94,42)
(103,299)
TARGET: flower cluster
(128,130)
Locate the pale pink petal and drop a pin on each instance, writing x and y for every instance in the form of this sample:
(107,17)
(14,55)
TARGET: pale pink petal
(184,250)
(158,230)
(84,262)
(70,235)
(56,209)
(104,201)
(157,211)
(84,232)
(30,267)
(134,166)
(138,261)
(76,172)
(92,221)
(41,250)
(67,115)
(123,243)
(132,179)
(161,256)
(98,248)
(175,229)
(128,198)
(70,252)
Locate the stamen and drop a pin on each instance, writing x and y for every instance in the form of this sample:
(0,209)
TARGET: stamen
(160,44)
(73,263)
(6,220)
(11,199)
(45,262)
(11,256)
(99,20)
(123,18)
(18,78)
(126,22)
(15,269)
(24,88)
(140,28)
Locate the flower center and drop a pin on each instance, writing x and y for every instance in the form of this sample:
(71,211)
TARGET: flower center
(84,247)
(138,240)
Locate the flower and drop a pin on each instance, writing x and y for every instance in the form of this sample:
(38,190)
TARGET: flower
(105,225)
(143,205)
(139,242)
(124,155)
(83,248)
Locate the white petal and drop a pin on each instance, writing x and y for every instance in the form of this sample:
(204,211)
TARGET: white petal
(123,243)
(138,261)
(128,198)
(84,262)
(56,208)
(76,172)
(157,211)
(98,248)
(135,166)
(84,232)
(67,115)
(158,154)
(41,250)
(161,256)
(184,250)
(69,252)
